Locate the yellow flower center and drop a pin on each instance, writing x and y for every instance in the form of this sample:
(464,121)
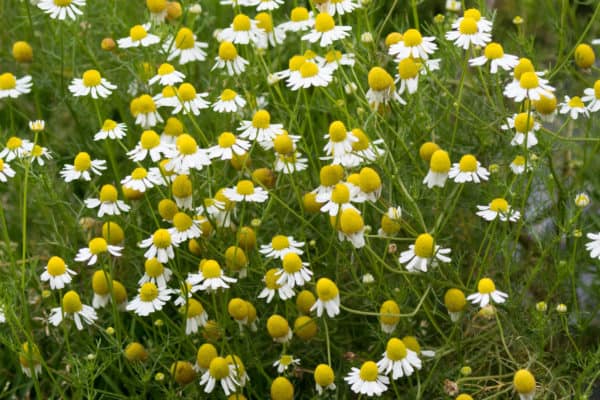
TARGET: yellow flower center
(238,309)
(169,91)
(91,78)
(82,162)
(139,173)
(519,160)
(241,22)
(182,221)
(337,131)
(388,312)
(529,80)
(138,32)
(149,139)
(228,95)
(211,269)
(411,343)
(455,301)
(468,26)
(36,152)
(597,89)
(13,143)
(277,326)
(194,308)
(261,119)
(412,37)
(395,349)
(226,139)
(292,263)
(184,39)
(186,144)
(340,194)
(282,389)
(227,51)
(182,186)
(493,51)
(369,180)
(109,125)
(309,54)
(62,3)
(280,242)
(186,92)
(363,141)
(146,104)
(576,102)
(547,105)
(156,6)
(524,381)
(408,68)
(206,353)
(584,56)
(331,174)
(369,371)
(324,375)
(440,161)
(71,302)
(100,283)
(135,352)
(351,221)
(245,187)
(148,292)
(174,127)
(165,69)
(393,38)
(379,79)
(271,279)
(56,266)
(1,164)
(326,289)
(264,21)
(424,246)
(524,65)
(296,62)
(283,144)
(324,22)
(524,122)
(108,193)
(473,13)
(333,55)
(7,81)
(486,286)
(309,69)
(468,163)
(499,205)
(98,245)
(161,238)
(299,14)
(153,268)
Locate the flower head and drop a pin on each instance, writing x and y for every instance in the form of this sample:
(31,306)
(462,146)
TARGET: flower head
(367,380)
(328,298)
(486,292)
(61,9)
(91,84)
(72,307)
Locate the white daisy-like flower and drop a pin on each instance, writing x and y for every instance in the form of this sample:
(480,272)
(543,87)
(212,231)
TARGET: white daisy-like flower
(290,163)
(284,362)
(184,228)
(138,36)
(468,169)
(111,130)
(351,227)
(334,58)
(155,272)
(592,95)
(143,109)
(181,189)
(340,199)
(280,246)
(272,35)
(530,86)
(186,155)
(367,380)
(246,191)
(91,84)
(5,171)
(229,101)
(368,183)
(159,245)
(594,246)
(97,246)
(149,145)
(309,75)
(467,33)
(517,166)
(339,7)
(269,5)
(325,31)
(295,272)
(142,179)
(185,293)
(363,150)
(390,221)
(339,140)
(167,75)
(228,145)
(422,252)
(260,127)
(150,298)
(229,59)
(218,211)
(108,202)
(486,293)
(399,360)
(73,308)
(196,316)
(184,47)
(414,45)
(173,128)
(61,9)
(381,88)
(272,287)
(242,30)
(483,24)
(498,208)
(439,168)
(300,20)
(575,107)
(189,101)
(525,127)
(294,64)
(81,168)
(220,371)
(324,378)
(16,148)
(210,276)
(40,154)
(12,87)
(166,98)
(57,273)
(494,53)
(328,298)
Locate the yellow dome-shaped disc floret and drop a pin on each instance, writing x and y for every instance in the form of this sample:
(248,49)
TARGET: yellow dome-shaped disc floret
(261,119)
(424,246)
(137,32)
(468,163)
(22,52)
(327,289)
(71,303)
(388,313)
(184,39)
(167,209)
(309,69)
(235,258)
(291,263)
(91,78)
(369,372)
(547,105)
(148,292)
(412,37)
(237,309)
(524,65)
(324,375)
(153,267)
(183,372)
(241,22)
(182,186)
(524,122)
(161,238)
(440,161)
(396,349)
(108,193)
(135,352)
(351,221)
(584,56)
(499,205)
(524,382)
(206,353)
(82,162)
(408,68)
(455,300)
(305,327)
(493,51)
(277,326)
(486,286)
(283,144)
(369,180)
(324,22)
(529,80)
(246,238)
(379,79)
(299,14)
(210,269)
(156,6)
(100,282)
(331,174)
(304,301)
(282,389)
(56,266)
(427,149)
(393,38)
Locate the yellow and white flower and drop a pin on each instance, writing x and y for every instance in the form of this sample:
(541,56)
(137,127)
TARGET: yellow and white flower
(324,378)
(325,31)
(57,273)
(184,228)
(575,107)
(186,292)
(220,371)
(228,145)
(138,36)
(12,87)
(310,74)
(271,35)
(108,202)
(468,170)
(97,246)
(339,140)
(367,380)
(159,245)
(81,168)
(142,179)
(340,199)
(259,128)
(422,252)
(196,316)
(111,130)
(328,298)
(246,191)
(290,163)
(284,362)
(529,86)
(166,75)
(592,95)
(150,298)
(525,127)
(280,246)
(439,168)
(399,360)
(186,155)
(61,9)
(155,272)
(149,145)
(594,246)
(184,47)
(272,287)
(300,20)
(414,45)
(381,88)
(72,307)
(229,59)
(294,271)
(5,171)
(494,53)
(210,276)
(144,110)
(242,30)
(189,101)
(486,293)
(91,84)
(483,24)
(467,33)
(334,58)
(498,208)
(517,166)
(229,101)
(16,148)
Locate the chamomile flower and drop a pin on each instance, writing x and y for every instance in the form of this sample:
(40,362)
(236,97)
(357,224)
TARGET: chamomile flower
(390,222)
(205,354)
(61,9)
(228,145)
(260,127)
(328,298)
(150,298)
(468,170)
(185,293)
(340,199)
(280,246)
(142,179)
(592,95)
(529,86)
(269,5)
(325,31)
(422,252)
(211,276)
(414,45)
(290,163)
(467,33)
(196,316)
(271,35)
(412,343)
(12,87)
(159,245)
(455,303)
(294,64)
(439,169)
(72,307)
(229,101)
(486,292)
(300,20)
(149,145)
(574,106)
(182,191)
(155,272)
(594,246)
(167,75)
(339,7)
(145,111)
(324,378)
(279,329)
(5,171)
(111,130)
(108,202)
(221,371)
(158,10)
(30,359)
(138,36)
(408,75)
(363,150)
(524,383)
(309,75)
(272,287)
(381,88)
(351,227)
(498,208)
(399,360)
(91,84)
(238,310)
(294,271)
(57,273)
(389,316)
(186,155)
(334,58)
(369,185)
(339,140)
(97,246)
(173,128)
(16,148)
(494,53)
(189,101)
(166,98)
(525,127)
(284,362)
(242,30)
(81,168)
(546,107)
(367,380)
(184,228)
(229,59)
(246,191)
(517,166)
(101,289)
(184,47)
